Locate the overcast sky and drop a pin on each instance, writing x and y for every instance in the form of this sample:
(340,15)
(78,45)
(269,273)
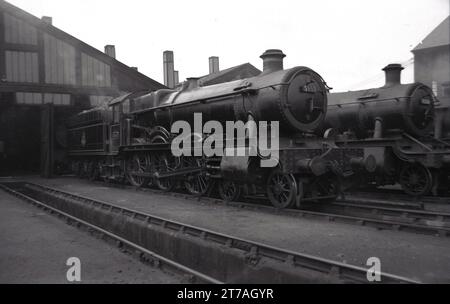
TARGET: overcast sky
(346,41)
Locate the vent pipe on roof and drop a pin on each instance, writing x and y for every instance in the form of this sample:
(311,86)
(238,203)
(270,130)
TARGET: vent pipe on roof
(272,61)
(393,74)
(192,83)
(47,20)
(110,50)
(169,69)
(134,68)
(213,64)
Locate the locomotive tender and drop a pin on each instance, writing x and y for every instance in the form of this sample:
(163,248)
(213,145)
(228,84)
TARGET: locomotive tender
(130,139)
(394,124)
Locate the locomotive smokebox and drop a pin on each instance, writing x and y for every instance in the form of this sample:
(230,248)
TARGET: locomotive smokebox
(393,74)
(272,61)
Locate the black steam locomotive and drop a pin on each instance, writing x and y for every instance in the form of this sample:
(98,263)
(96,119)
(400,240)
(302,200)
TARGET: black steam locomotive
(394,124)
(442,122)
(131,139)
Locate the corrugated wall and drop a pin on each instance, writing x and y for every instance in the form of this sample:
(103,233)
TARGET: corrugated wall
(94,72)
(22,66)
(18,31)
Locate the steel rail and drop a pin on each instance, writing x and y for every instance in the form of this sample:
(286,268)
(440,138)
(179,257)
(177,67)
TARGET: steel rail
(390,224)
(399,196)
(439,218)
(144,254)
(370,219)
(367,219)
(339,270)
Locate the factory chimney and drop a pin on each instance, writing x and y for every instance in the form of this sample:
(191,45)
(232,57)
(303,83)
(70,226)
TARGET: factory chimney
(272,61)
(169,73)
(48,20)
(176,77)
(393,74)
(110,50)
(213,64)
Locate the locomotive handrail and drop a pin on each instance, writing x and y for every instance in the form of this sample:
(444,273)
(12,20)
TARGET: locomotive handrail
(417,141)
(439,141)
(87,126)
(202,100)
(430,151)
(368,101)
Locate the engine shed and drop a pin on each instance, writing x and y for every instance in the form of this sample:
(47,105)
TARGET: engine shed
(47,75)
(431,67)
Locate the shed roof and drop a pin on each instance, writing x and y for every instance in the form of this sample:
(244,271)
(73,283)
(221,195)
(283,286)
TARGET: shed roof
(51,29)
(440,36)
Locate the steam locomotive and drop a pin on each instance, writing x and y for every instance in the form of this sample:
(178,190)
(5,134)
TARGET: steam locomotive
(394,124)
(442,122)
(130,139)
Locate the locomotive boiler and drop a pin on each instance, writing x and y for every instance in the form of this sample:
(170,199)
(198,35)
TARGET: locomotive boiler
(394,124)
(393,107)
(295,97)
(309,168)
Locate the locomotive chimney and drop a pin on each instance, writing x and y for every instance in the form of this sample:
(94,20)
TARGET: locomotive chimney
(393,74)
(272,61)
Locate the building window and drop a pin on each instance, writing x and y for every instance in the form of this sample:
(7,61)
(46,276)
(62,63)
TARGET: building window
(29,98)
(39,98)
(18,31)
(57,99)
(99,101)
(59,61)
(22,66)
(94,72)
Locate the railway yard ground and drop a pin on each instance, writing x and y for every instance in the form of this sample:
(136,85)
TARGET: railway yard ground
(36,246)
(415,256)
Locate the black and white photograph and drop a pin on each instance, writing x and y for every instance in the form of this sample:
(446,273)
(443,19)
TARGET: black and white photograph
(251,144)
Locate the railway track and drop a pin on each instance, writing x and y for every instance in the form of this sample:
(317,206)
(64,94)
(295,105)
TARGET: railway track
(41,196)
(399,197)
(350,212)
(438,222)
(145,255)
(372,216)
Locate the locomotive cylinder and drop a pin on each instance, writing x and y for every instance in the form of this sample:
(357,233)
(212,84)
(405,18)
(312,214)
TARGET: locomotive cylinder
(295,97)
(394,106)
